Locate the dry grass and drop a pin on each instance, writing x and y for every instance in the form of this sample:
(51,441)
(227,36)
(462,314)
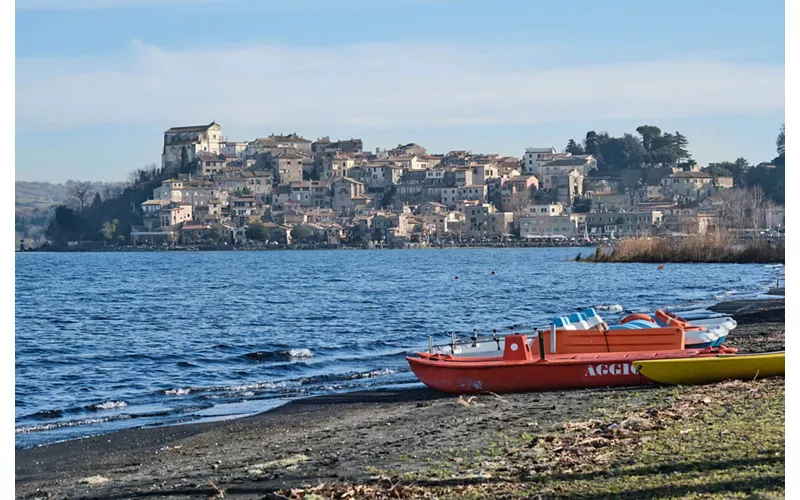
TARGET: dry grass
(722,440)
(696,248)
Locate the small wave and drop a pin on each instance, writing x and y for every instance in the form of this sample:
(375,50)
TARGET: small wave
(177,392)
(286,355)
(610,308)
(348,376)
(67,423)
(47,414)
(108,405)
(725,294)
(186,364)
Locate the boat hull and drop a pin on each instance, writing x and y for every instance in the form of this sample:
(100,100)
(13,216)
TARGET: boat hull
(713,369)
(460,375)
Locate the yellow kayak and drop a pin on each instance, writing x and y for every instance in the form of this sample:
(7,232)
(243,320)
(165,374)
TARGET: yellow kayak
(706,370)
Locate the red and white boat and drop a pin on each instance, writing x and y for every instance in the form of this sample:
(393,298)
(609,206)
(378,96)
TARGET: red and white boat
(520,370)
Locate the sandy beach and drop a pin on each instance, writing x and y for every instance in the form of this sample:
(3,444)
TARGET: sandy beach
(412,443)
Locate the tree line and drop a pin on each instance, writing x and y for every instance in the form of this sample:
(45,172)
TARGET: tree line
(652,148)
(92,215)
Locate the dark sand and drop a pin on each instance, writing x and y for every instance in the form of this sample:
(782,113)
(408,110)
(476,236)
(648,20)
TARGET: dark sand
(324,439)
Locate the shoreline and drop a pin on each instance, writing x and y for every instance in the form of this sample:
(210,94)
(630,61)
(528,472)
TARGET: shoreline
(339,437)
(224,248)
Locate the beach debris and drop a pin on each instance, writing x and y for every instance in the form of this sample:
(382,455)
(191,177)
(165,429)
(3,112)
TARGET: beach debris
(220,492)
(289,463)
(466,402)
(635,424)
(93,480)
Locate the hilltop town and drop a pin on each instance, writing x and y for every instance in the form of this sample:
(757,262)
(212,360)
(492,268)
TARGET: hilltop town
(289,190)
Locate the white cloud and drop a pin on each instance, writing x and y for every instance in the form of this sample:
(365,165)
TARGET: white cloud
(397,84)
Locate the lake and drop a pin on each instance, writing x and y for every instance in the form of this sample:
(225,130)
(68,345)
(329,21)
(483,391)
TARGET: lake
(107,341)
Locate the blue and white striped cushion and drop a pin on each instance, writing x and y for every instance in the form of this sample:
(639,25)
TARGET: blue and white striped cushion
(563,323)
(579,320)
(592,317)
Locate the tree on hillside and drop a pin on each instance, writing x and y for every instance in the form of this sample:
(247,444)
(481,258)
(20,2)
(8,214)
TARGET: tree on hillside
(780,143)
(184,159)
(543,197)
(666,149)
(109,229)
(680,143)
(574,148)
(81,192)
(737,169)
(624,152)
(582,205)
(649,133)
(303,233)
(256,232)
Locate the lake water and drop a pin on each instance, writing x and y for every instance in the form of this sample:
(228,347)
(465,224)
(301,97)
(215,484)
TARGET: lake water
(106,341)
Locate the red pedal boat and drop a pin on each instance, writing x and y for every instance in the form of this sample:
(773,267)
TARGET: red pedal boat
(520,370)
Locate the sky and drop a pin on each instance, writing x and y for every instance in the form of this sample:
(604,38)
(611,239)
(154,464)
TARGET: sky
(99,81)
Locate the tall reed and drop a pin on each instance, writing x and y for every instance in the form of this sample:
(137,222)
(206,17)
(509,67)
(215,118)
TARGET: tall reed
(695,248)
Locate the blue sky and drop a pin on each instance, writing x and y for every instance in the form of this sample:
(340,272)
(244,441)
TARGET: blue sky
(97,82)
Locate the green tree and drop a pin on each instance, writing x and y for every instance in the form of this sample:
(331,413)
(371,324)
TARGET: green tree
(245,190)
(184,159)
(256,232)
(109,229)
(780,160)
(624,152)
(388,197)
(574,148)
(680,143)
(303,233)
(543,197)
(581,205)
(592,143)
(719,169)
(649,133)
(737,169)
(217,231)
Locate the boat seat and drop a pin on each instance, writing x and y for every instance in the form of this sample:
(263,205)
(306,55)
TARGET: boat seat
(579,320)
(592,318)
(563,323)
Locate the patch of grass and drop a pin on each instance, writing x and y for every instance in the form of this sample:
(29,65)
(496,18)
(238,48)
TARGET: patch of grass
(719,441)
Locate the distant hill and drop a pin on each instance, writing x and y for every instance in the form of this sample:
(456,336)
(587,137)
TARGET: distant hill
(35,202)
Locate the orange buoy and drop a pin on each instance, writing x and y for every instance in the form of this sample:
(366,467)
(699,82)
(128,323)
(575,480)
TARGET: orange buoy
(456,276)
(660,266)
(632,317)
